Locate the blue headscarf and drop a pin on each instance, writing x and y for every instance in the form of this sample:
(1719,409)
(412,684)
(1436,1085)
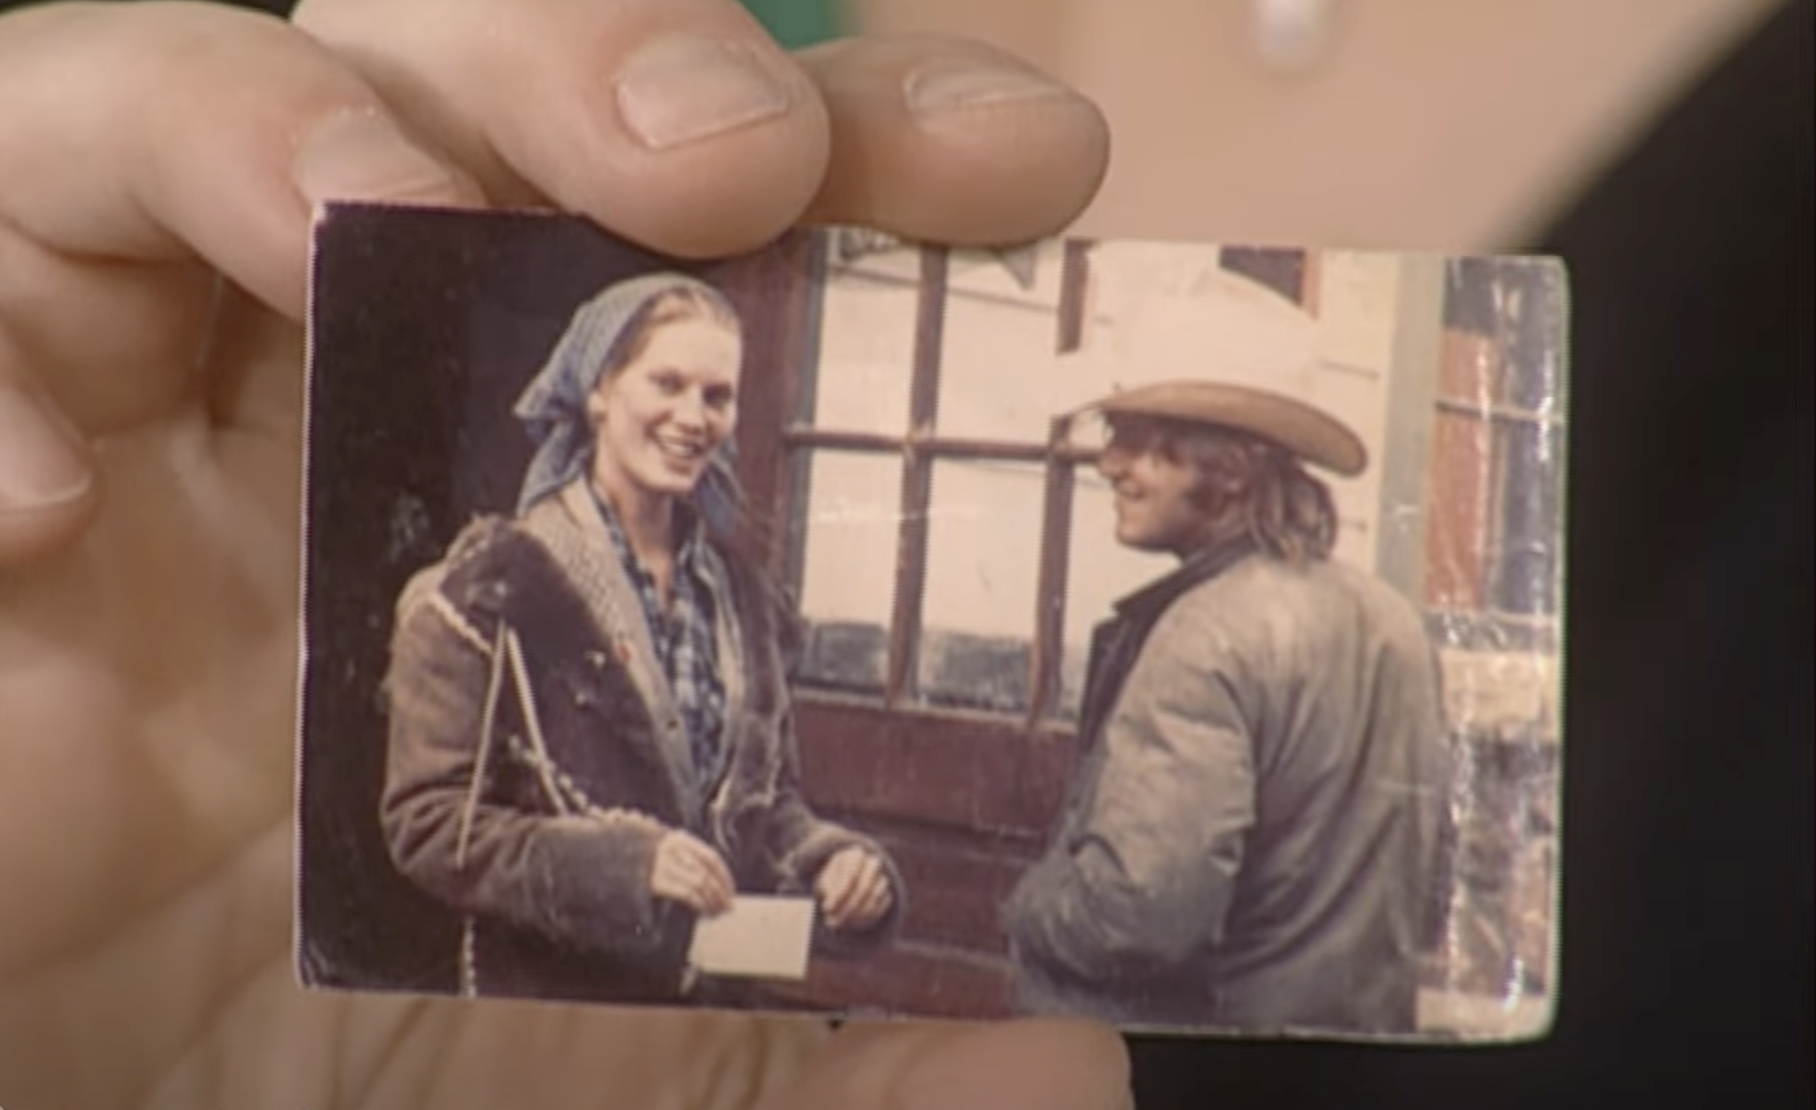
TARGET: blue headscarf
(553,406)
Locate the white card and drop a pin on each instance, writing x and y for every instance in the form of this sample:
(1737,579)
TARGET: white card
(763,937)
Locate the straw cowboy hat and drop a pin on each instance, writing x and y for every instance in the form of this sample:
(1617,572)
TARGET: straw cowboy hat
(1252,351)
(1308,432)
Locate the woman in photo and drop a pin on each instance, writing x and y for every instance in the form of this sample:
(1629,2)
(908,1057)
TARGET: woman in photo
(591,744)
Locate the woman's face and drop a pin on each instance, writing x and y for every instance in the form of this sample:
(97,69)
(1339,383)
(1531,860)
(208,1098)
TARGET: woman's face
(658,420)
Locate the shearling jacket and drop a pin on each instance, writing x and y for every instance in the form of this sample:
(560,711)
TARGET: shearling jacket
(540,827)
(1252,839)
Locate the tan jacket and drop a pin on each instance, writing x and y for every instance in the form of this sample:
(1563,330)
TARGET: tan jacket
(1253,840)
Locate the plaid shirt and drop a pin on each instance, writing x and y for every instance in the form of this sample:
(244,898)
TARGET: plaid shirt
(685,638)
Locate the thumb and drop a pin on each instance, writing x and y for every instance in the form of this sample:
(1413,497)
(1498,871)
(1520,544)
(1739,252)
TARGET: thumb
(1028,1064)
(49,484)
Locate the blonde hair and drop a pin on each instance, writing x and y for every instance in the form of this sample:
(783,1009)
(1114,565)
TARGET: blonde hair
(686,302)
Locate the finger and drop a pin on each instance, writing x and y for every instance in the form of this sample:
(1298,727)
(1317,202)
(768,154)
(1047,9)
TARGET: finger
(874,900)
(690,891)
(869,888)
(708,871)
(839,906)
(832,872)
(48,479)
(863,870)
(719,875)
(870,873)
(713,898)
(683,873)
(873,910)
(674,875)
(129,132)
(1017,1065)
(135,160)
(953,141)
(676,123)
(701,897)
(664,883)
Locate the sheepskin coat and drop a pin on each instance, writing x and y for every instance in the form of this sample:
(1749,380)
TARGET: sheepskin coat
(536,759)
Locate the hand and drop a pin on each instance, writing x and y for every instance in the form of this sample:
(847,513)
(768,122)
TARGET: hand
(853,888)
(160,160)
(688,871)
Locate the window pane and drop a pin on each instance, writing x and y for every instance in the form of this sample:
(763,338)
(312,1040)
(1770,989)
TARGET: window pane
(848,572)
(1533,335)
(983,565)
(1283,271)
(1527,579)
(1471,303)
(1101,572)
(866,350)
(1000,373)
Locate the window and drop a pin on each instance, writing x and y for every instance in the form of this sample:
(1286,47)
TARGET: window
(1491,584)
(938,492)
(1497,454)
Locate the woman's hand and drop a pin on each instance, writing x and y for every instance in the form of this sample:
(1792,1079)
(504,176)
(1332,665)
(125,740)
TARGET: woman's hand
(687,870)
(161,160)
(853,889)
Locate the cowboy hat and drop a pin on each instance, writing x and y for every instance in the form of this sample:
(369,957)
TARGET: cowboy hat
(1311,434)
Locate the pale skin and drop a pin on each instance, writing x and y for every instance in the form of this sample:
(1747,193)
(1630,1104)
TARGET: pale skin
(657,421)
(154,217)
(1155,510)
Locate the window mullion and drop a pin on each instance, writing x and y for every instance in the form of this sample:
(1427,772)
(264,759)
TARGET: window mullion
(917,480)
(1050,589)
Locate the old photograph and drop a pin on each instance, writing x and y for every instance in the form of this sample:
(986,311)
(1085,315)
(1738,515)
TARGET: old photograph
(1167,633)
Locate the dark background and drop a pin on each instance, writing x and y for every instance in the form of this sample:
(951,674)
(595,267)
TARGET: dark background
(1688,924)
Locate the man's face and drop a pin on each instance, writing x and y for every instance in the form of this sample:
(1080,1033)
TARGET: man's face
(1155,510)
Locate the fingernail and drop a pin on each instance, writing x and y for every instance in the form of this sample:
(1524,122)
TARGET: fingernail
(361,155)
(956,85)
(42,463)
(682,89)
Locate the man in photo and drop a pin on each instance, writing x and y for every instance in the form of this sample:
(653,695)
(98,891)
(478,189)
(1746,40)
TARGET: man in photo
(1252,838)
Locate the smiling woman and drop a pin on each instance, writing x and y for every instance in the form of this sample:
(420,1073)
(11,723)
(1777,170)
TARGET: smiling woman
(590,738)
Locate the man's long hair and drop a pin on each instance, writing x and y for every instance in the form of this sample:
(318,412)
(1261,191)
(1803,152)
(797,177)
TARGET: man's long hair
(1254,487)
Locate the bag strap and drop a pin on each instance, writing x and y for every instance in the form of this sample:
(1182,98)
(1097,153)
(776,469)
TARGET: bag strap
(487,722)
(532,723)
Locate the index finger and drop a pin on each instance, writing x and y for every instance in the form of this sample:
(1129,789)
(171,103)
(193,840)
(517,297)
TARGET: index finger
(142,156)
(550,99)
(712,866)
(676,123)
(953,141)
(846,882)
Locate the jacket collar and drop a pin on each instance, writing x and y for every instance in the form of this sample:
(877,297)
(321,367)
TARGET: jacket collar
(1151,600)
(570,525)
(689,532)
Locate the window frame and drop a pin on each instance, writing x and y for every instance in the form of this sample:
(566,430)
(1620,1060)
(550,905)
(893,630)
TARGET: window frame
(1482,301)
(920,445)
